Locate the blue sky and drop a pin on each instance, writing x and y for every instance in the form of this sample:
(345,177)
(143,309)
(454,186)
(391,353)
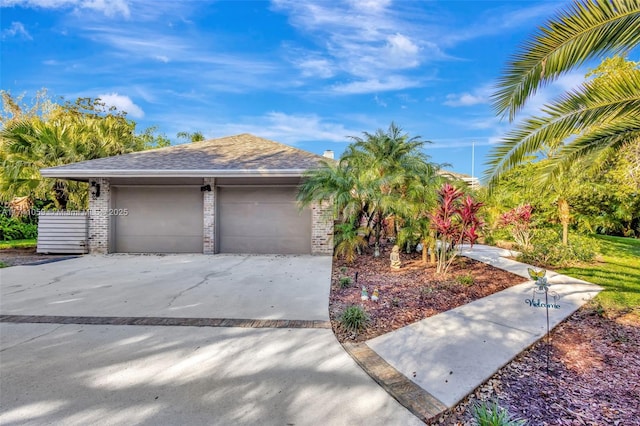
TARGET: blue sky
(305,73)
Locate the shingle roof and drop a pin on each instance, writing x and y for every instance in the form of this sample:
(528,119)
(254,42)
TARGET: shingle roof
(244,154)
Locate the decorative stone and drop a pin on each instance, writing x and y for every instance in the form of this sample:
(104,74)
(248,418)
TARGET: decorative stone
(395,257)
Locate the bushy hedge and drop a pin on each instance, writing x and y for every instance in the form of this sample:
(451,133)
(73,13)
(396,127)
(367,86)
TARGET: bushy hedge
(547,249)
(13,229)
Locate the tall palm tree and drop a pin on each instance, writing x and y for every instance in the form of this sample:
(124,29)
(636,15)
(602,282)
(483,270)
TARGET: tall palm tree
(385,162)
(597,116)
(380,174)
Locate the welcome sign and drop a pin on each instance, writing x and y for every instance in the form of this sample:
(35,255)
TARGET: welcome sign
(538,304)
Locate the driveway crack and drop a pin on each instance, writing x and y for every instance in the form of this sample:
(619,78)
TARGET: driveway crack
(204,280)
(33,338)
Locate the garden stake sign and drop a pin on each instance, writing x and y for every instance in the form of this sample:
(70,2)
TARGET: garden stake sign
(542,286)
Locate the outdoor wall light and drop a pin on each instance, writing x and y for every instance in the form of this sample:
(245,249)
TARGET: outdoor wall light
(205,188)
(95,189)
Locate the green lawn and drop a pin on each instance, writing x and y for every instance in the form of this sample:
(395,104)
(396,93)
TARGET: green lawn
(18,244)
(618,272)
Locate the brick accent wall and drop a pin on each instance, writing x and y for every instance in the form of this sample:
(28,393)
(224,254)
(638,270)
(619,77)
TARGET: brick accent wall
(322,228)
(99,218)
(209,225)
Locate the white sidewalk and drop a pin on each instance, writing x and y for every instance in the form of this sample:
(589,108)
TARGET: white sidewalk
(451,354)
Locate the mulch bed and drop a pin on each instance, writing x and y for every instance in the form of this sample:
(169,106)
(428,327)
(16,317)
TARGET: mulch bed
(410,294)
(594,375)
(23,256)
(593,379)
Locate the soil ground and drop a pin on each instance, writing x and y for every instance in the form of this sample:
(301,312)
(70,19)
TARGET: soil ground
(594,368)
(23,256)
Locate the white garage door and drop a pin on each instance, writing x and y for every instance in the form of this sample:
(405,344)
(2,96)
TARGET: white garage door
(262,220)
(157,220)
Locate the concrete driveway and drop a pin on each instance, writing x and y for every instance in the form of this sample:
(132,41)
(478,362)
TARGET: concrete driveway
(128,374)
(196,286)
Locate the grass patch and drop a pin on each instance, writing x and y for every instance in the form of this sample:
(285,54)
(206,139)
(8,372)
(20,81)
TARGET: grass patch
(617,271)
(3,265)
(30,243)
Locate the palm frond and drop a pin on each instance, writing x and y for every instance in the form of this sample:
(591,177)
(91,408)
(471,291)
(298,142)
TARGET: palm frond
(582,31)
(590,113)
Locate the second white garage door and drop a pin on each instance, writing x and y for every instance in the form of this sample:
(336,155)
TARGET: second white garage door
(263,220)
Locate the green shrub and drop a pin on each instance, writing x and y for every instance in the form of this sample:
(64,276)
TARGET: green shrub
(13,229)
(3,265)
(547,249)
(354,318)
(491,414)
(466,279)
(345,282)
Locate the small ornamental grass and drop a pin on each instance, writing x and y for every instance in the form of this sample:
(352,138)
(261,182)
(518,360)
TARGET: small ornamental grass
(491,414)
(345,282)
(466,279)
(354,318)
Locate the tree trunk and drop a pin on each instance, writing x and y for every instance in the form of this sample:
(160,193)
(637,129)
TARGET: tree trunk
(564,212)
(425,249)
(432,246)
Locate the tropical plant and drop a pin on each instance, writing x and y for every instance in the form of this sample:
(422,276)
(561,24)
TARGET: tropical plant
(191,136)
(354,318)
(455,221)
(491,414)
(345,282)
(349,241)
(60,134)
(381,176)
(584,121)
(518,220)
(545,251)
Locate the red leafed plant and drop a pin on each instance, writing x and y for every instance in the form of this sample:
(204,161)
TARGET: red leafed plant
(519,220)
(455,221)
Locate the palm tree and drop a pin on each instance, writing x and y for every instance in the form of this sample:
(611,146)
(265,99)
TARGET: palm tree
(26,146)
(597,116)
(380,175)
(385,162)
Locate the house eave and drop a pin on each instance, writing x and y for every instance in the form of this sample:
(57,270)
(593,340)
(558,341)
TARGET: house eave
(86,174)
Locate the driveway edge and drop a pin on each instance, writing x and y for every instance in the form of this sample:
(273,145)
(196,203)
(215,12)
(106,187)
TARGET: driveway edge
(167,321)
(415,399)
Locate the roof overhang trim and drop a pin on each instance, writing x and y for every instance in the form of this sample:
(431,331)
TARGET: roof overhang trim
(79,174)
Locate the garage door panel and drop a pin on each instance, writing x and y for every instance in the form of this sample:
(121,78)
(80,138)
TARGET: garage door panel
(262,220)
(158,220)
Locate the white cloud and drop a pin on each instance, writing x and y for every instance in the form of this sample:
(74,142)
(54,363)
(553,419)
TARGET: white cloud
(379,101)
(162,58)
(375,85)
(316,67)
(107,7)
(16,29)
(369,4)
(122,103)
(286,128)
(401,48)
(370,42)
(476,141)
(480,95)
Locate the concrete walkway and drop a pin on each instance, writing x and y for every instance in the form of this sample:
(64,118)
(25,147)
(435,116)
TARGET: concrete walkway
(450,354)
